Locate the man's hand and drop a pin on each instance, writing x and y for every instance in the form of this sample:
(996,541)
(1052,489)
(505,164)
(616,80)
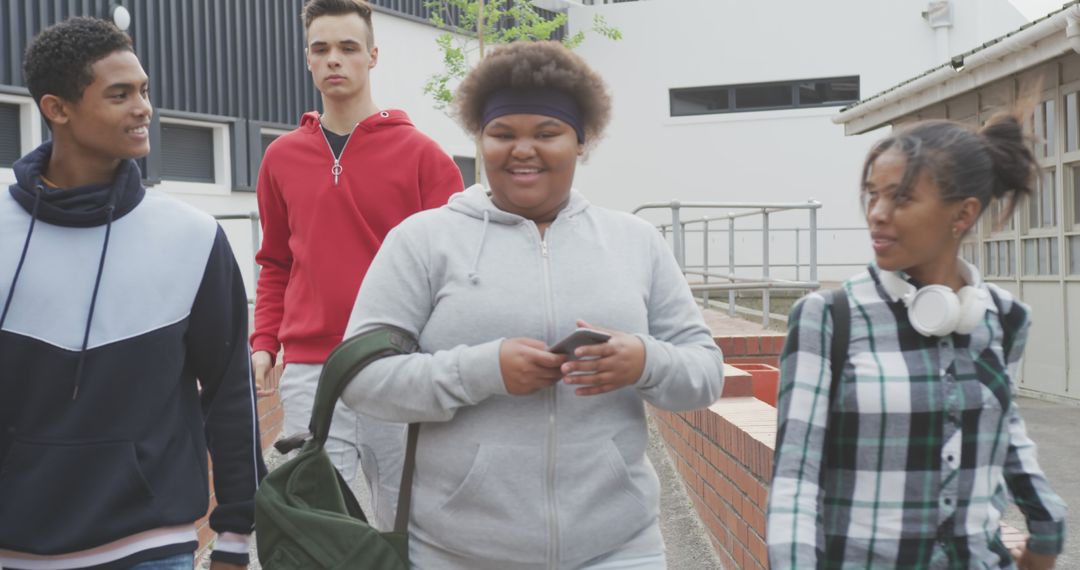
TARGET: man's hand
(1028,560)
(266,374)
(527,366)
(617,363)
(219,565)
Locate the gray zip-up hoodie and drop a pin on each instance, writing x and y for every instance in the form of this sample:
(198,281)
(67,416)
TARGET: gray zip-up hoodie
(549,480)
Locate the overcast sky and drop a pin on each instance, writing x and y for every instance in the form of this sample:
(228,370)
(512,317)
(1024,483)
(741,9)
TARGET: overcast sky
(1033,9)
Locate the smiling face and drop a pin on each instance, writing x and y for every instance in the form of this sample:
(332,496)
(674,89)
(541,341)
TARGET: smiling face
(110,122)
(530,162)
(915,232)
(340,55)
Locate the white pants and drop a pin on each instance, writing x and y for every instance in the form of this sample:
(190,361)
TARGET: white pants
(375,446)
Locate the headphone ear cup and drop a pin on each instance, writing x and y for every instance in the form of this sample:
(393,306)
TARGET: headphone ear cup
(972,309)
(934,310)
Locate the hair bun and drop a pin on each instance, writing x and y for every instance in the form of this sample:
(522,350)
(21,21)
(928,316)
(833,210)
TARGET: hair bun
(1011,153)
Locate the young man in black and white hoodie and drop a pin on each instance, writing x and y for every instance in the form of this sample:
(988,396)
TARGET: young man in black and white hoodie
(123,353)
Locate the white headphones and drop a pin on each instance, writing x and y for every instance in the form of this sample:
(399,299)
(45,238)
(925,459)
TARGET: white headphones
(934,310)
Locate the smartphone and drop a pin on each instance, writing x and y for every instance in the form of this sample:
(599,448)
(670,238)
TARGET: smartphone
(580,337)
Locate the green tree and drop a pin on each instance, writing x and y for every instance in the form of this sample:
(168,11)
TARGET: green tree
(486,22)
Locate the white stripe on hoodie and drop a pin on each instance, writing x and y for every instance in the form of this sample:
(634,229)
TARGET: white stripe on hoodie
(549,480)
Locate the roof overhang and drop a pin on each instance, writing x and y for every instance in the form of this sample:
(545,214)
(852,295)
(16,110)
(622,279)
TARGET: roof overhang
(1022,49)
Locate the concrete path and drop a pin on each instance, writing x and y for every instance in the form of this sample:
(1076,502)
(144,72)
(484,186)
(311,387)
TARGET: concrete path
(1055,429)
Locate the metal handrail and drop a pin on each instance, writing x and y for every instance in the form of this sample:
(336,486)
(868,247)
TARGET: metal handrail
(765,283)
(256,236)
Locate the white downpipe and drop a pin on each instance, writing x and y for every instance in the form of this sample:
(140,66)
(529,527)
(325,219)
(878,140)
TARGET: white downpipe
(1005,46)
(941,34)
(1072,28)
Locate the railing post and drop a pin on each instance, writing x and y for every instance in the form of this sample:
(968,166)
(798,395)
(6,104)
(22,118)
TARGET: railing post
(765,266)
(254,216)
(705,259)
(677,236)
(798,268)
(731,263)
(813,243)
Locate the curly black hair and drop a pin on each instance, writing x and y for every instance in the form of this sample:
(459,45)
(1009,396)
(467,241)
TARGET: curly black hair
(58,60)
(526,64)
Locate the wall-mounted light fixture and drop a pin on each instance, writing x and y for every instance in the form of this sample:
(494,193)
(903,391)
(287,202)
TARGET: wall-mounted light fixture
(120,16)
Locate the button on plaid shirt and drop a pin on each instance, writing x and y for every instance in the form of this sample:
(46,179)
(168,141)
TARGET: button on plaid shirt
(924,446)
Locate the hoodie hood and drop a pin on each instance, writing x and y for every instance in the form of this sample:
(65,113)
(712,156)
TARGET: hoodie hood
(309,122)
(81,207)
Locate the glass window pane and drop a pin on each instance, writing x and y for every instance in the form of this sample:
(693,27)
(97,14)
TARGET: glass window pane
(1040,131)
(1033,206)
(1072,128)
(762,96)
(845,90)
(1074,255)
(1011,260)
(1044,254)
(10,143)
(698,101)
(1031,256)
(1055,253)
(1050,128)
(1046,216)
(1076,196)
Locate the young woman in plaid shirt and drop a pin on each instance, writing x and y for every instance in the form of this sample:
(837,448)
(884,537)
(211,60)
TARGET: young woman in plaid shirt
(924,442)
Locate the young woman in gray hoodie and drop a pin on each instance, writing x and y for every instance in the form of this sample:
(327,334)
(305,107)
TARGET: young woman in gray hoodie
(522,463)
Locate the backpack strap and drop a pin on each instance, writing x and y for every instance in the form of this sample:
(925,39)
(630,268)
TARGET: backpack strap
(841,337)
(345,362)
(1008,334)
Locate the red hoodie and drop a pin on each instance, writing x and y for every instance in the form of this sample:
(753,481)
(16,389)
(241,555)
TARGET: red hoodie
(319,237)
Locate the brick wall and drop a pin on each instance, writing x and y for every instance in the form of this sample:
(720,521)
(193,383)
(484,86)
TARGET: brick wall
(758,349)
(724,455)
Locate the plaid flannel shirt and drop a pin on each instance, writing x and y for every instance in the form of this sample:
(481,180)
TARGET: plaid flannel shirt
(924,439)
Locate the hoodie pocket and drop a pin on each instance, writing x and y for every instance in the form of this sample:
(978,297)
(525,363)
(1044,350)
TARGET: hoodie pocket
(498,511)
(603,503)
(57,498)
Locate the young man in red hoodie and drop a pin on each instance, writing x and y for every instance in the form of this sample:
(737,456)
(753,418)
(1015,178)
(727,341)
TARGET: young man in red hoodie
(328,193)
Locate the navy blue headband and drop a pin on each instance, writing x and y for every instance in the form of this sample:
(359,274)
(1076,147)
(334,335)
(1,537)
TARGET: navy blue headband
(535,101)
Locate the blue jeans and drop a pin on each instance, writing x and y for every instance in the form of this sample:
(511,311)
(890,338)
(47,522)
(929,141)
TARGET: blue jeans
(174,562)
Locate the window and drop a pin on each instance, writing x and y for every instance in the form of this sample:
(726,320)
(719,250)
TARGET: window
(196,156)
(1045,144)
(751,97)
(1042,209)
(11,141)
(1041,256)
(1000,256)
(1072,126)
(467,166)
(187,153)
(267,138)
(1074,255)
(764,96)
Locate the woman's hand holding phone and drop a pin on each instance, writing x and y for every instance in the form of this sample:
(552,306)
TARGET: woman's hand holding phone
(527,366)
(612,365)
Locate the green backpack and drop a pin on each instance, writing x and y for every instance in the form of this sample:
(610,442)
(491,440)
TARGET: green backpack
(305,514)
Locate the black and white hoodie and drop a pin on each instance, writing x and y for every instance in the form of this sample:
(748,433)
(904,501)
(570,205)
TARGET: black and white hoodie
(123,359)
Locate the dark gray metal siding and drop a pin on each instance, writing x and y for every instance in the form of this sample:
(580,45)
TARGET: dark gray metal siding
(239,58)
(10,140)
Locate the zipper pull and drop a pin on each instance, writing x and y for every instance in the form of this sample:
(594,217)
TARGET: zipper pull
(336,170)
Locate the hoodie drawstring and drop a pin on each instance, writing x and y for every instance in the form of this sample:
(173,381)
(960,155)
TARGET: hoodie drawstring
(93,298)
(38,191)
(474,275)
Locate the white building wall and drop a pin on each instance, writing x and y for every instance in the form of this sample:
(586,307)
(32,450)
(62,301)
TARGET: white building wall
(788,156)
